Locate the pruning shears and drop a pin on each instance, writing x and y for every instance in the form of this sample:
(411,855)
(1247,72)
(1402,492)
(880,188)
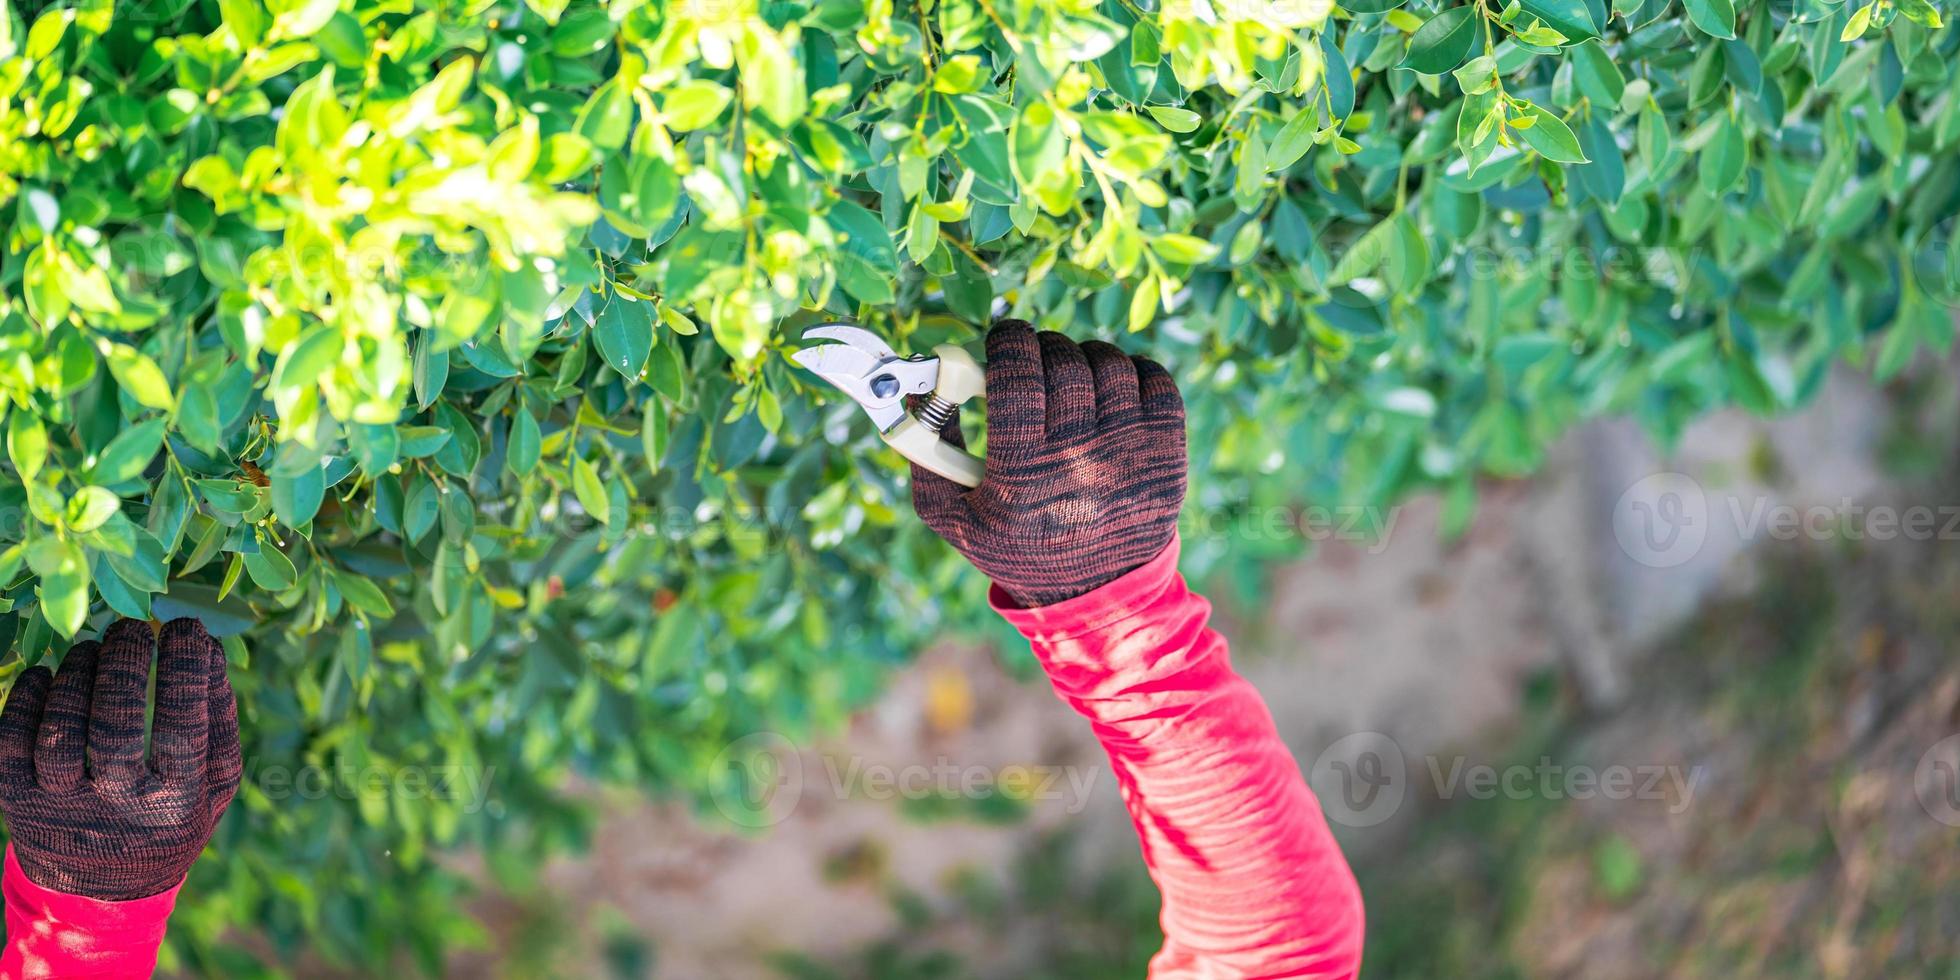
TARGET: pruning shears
(864,367)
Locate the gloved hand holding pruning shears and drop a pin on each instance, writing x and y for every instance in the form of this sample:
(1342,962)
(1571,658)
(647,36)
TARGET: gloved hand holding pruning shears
(1085,462)
(1074,516)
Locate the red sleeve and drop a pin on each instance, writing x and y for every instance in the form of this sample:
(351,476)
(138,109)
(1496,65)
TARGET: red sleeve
(55,934)
(1253,883)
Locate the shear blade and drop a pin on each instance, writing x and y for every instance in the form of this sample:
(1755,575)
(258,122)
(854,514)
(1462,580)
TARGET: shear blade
(857,337)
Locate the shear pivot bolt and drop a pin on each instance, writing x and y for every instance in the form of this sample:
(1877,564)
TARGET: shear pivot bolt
(884,386)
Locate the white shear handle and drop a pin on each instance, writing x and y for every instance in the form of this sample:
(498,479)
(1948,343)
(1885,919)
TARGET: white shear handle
(960,379)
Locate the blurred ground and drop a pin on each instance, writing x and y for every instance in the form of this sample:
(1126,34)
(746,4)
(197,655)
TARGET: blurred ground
(1784,694)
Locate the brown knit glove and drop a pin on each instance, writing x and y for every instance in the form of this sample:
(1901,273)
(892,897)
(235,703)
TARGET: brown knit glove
(114,825)
(1085,467)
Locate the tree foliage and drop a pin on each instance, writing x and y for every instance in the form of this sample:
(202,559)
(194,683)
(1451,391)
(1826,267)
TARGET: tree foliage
(430,349)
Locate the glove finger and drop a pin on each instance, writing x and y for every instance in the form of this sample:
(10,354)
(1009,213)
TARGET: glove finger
(58,743)
(937,500)
(1071,401)
(179,740)
(1016,390)
(1158,392)
(1117,398)
(18,722)
(115,718)
(226,761)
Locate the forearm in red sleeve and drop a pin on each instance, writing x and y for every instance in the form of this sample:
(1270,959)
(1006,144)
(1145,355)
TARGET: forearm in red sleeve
(1253,883)
(55,934)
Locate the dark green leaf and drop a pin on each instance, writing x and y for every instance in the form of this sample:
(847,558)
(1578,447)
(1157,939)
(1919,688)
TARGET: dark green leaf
(1443,41)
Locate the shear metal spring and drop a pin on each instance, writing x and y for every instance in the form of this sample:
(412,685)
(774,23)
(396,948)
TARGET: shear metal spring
(937,413)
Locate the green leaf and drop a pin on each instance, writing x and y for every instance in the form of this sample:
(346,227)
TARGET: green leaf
(1716,18)
(363,594)
(586,31)
(1293,141)
(1652,139)
(1183,249)
(1723,159)
(246,21)
(921,235)
(550,10)
(1039,147)
(63,589)
(230,496)
(301,364)
(420,509)
(666,373)
(656,191)
(1143,303)
(606,118)
(1597,76)
(1853,29)
(1366,254)
(270,569)
(89,507)
(234,569)
(772,79)
(1551,137)
(590,492)
(341,40)
(139,376)
(47,298)
(653,434)
(126,456)
(512,155)
(1175,119)
(143,566)
(116,594)
(27,443)
(1568,17)
(693,104)
(1443,41)
(624,333)
(524,442)
(1896,350)
(297,498)
(867,262)
(197,418)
